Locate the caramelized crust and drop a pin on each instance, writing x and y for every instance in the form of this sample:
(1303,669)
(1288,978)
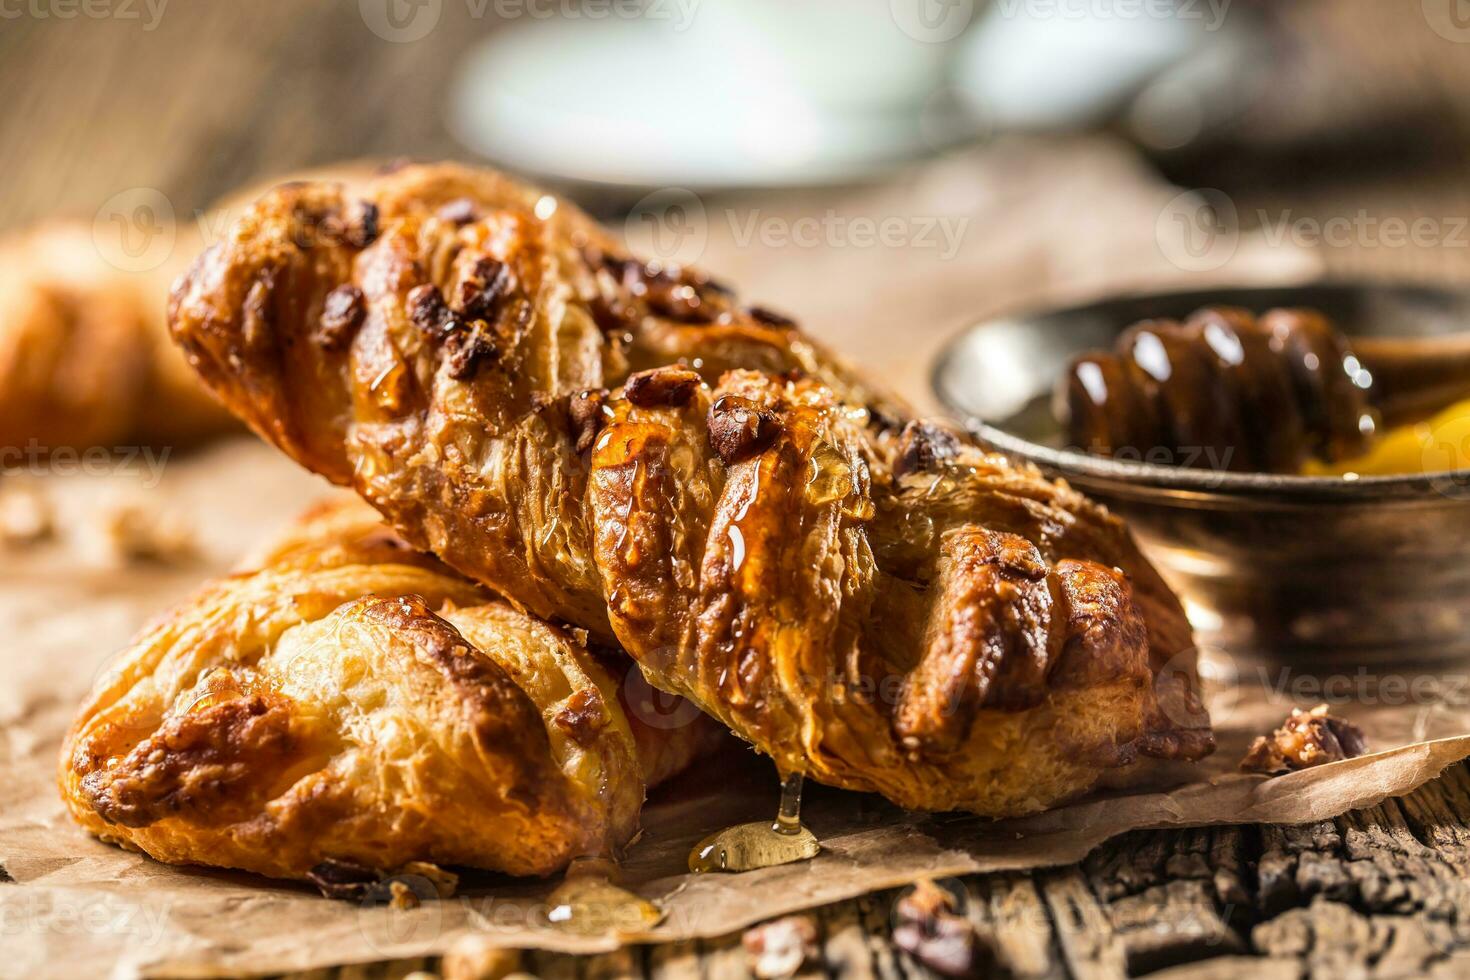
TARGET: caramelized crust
(626,449)
(84,354)
(353,701)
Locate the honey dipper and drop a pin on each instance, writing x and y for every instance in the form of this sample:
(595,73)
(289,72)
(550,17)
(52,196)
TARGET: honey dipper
(1226,389)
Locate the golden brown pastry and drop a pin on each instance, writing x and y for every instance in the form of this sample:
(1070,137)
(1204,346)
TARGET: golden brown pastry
(626,448)
(352,703)
(84,354)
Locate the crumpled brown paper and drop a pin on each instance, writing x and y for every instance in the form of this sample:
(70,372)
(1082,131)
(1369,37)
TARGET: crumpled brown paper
(73,906)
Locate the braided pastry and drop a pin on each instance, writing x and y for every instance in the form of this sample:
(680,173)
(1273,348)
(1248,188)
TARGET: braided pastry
(84,356)
(625,448)
(318,711)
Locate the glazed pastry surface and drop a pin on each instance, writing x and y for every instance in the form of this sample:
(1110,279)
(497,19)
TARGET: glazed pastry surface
(353,701)
(868,599)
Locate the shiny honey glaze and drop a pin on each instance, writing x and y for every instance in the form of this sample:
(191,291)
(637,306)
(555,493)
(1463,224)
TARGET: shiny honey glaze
(1439,443)
(589,902)
(760,844)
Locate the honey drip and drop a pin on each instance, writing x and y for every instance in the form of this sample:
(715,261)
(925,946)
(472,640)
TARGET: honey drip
(748,846)
(589,902)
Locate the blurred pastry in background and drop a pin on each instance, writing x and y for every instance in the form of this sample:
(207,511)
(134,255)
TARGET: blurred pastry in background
(84,353)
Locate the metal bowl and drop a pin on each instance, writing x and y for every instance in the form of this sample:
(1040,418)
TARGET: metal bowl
(1325,572)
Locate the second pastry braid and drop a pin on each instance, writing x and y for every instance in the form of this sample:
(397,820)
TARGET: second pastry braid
(352,703)
(900,613)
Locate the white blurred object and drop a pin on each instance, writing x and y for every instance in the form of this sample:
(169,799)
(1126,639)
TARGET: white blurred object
(705,93)
(1066,64)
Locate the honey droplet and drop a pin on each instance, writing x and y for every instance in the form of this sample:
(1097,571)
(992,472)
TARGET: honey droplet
(748,846)
(589,902)
(829,477)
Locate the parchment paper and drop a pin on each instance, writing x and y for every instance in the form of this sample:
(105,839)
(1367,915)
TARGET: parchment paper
(72,906)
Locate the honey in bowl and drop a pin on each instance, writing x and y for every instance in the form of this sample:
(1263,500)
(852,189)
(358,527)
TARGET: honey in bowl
(1439,443)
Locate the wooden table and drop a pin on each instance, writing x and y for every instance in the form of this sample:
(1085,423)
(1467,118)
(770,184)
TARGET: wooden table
(218,94)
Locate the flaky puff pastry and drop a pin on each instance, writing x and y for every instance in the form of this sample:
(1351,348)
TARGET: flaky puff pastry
(353,701)
(84,352)
(868,599)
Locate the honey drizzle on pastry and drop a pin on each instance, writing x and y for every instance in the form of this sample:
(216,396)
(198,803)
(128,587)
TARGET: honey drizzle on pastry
(760,844)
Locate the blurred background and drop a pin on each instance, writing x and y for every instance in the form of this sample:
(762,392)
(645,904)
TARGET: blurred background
(885,170)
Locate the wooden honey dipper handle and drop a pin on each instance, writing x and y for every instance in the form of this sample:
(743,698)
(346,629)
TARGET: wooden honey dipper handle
(1414,377)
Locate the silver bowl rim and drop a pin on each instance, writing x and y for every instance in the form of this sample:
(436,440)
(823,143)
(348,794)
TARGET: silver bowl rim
(1288,488)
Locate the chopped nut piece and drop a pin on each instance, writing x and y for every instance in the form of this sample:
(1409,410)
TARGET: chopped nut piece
(932,928)
(924,446)
(661,387)
(428,311)
(342,314)
(405,888)
(584,411)
(345,880)
(362,226)
(482,289)
(739,429)
(1305,739)
(402,896)
(779,948)
(460,211)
